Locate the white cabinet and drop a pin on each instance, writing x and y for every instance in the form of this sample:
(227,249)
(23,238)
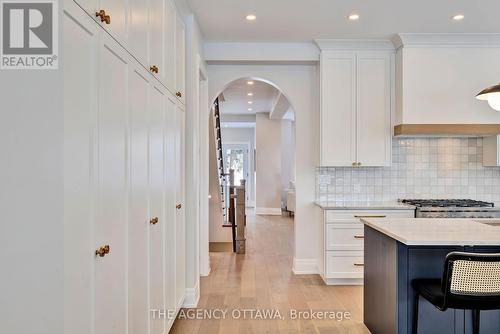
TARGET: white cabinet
(138,29)
(356,104)
(124,176)
(180,49)
(343,257)
(491,151)
(110,200)
(138,220)
(170,53)
(156,40)
(156,193)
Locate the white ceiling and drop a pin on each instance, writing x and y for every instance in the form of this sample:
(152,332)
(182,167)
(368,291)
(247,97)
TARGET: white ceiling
(236,98)
(306,20)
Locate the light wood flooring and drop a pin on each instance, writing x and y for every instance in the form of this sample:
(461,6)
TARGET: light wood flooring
(262,279)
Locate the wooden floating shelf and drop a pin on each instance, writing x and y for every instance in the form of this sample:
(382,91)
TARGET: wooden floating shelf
(446,130)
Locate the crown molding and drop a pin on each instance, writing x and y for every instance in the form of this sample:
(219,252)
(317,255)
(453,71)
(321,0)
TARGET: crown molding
(446,40)
(354,44)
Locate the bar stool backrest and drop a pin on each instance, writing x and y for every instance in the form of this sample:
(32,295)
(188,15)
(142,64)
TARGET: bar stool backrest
(472,274)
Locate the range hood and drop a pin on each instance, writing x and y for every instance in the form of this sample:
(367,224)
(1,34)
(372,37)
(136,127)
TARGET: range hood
(466,130)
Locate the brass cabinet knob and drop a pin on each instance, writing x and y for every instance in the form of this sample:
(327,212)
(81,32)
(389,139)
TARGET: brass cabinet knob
(359,164)
(104,18)
(154,69)
(102,251)
(178,206)
(178,94)
(354,163)
(154,221)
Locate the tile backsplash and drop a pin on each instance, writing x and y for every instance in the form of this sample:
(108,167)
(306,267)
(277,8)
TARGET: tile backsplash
(421,168)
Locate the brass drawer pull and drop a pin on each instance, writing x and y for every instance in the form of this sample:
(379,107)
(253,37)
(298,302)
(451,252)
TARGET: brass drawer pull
(178,94)
(102,251)
(154,69)
(154,221)
(178,206)
(359,264)
(359,237)
(371,216)
(104,18)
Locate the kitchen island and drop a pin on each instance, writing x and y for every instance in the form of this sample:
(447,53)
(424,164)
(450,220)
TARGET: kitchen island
(396,251)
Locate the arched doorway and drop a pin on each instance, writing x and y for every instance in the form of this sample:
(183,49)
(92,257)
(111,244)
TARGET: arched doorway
(257,122)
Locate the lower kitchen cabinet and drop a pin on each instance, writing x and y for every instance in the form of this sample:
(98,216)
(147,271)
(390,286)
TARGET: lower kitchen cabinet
(124,188)
(343,258)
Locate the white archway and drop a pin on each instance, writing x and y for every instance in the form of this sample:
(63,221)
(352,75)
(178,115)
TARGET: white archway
(300,84)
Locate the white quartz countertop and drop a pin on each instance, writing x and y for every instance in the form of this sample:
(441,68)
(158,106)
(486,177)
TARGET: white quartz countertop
(364,205)
(439,231)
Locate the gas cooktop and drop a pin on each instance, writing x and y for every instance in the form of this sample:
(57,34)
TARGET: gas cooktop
(444,203)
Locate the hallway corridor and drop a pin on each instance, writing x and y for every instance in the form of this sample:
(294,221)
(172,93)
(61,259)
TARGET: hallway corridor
(262,280)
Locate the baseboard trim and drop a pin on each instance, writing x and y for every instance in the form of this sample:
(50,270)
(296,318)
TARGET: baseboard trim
(192,297)
(343,281)
(268,211)
(305,266)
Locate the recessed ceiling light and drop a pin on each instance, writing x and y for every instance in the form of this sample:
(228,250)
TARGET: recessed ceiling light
(458,17)
(250,102)
(250,109)
(354,17)
(250,94)
(251,17)
(250,82)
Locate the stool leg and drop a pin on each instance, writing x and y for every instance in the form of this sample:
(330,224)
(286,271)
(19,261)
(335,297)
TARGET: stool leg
(476,319)
(415,313)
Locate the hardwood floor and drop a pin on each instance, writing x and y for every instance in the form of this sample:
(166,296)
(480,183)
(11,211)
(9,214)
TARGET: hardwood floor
(262,280)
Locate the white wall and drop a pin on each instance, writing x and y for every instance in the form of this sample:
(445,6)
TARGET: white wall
(300,84)
(287,156)
(439,84)
(196,186)
(268,162)
(239,136)
(31,200)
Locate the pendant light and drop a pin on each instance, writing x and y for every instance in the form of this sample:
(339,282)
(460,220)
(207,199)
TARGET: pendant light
(492,95)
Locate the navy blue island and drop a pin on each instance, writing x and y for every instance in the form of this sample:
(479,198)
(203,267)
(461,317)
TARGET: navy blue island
(400,250)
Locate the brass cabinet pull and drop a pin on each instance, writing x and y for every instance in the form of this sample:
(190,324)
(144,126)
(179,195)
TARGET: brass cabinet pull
(154,69)
(354,163)
(359,237)
(359,163)
(154,221)
(178,94)
(359,264)
(178,206)
(104,18)
(371,216)
(102,251)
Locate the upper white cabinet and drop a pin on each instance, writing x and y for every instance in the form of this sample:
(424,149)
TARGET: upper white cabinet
(169,43)
(356,106)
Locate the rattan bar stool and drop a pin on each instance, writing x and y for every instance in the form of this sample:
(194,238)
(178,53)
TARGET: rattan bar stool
(471,281)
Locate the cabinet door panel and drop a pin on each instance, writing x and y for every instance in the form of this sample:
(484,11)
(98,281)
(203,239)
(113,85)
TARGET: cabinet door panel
(170,53)
(138,23)
(374,109)
(180,226)
(157,184)
(156,16)
(338,109)
(180,45)
(118,12)
(170,210)
(110,229)
(80,108)
(138,247)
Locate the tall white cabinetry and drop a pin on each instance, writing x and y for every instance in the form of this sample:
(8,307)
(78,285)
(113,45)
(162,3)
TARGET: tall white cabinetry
(124,161)
(356,107)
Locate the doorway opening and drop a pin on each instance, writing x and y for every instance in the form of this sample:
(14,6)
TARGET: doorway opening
(253,127)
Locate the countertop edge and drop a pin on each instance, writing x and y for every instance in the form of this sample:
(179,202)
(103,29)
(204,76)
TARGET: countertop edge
(375,206)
